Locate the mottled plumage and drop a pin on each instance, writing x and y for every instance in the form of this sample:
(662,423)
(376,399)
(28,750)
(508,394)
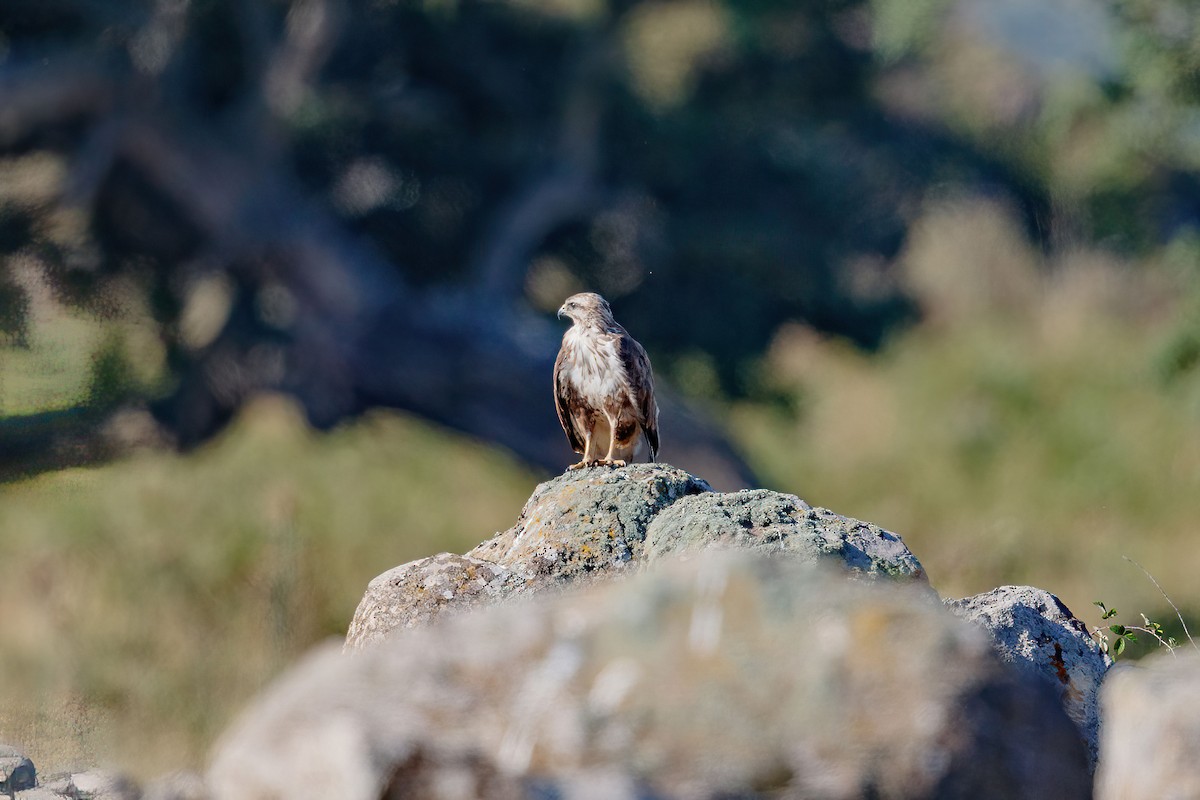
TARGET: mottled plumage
(603,386)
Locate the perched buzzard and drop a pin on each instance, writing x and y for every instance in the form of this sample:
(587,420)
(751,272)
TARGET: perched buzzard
(603,385)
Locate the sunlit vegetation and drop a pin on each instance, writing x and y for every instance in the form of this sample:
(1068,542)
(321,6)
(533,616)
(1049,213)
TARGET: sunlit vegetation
(144,601)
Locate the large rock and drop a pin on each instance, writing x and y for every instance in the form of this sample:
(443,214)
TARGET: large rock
(414,593)
(581,525)
(724,675)
(588,521)
(16,770)
(601,523)
(779,523)
(1150,742)
(92,784)
(1033,630)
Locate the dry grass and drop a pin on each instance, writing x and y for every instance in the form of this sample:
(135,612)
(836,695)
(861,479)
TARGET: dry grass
(146,600)
(1025,435)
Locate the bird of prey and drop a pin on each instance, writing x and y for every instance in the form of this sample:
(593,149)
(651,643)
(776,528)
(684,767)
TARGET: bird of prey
(603,386)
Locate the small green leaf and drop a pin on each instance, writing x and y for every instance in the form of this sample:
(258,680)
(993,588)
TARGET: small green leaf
(1119,646)
(1112,612)
(1130,636)
(1098,603)
(1119,630)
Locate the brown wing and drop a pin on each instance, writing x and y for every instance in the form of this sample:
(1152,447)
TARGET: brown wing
(564,400)
(641,383)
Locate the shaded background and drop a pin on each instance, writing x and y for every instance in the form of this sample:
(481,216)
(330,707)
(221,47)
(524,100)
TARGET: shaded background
(279,277)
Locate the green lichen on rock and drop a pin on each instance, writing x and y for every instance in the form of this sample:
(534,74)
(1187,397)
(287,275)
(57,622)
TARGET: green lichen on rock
(773,522)
(413,594)
(599,523)
(588,520)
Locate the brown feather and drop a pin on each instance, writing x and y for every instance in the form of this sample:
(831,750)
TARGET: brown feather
(565,398)
(641,385)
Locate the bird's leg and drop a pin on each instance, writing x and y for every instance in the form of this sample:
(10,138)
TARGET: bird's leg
(612,442)
(586,461)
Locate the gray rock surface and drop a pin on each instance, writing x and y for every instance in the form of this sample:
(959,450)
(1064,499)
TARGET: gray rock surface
(600,523)
(101,784)
(38,793)
(779,523)
(728,674)
(92,784)
(1150,741)
(16,770)
(59,783)
(588,521)
(1034,630)
(414,593)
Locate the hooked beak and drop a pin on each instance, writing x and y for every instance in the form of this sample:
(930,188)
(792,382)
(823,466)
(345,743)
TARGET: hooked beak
(560,312)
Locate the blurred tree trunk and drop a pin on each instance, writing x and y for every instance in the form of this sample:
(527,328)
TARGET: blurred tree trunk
(356,334)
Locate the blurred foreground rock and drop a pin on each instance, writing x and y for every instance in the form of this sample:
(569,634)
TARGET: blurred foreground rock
(1034,631)
(637,635)
(1150,741)
(597,523)
(93,784)
(16,770)
(724,675)
(177,786)
(99,784)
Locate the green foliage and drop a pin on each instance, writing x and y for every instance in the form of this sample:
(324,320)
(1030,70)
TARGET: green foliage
(14,307)
(905,28)
(1027,442)
(1125,634)
(739,158)
(51,371)
(110,380)
(706,160)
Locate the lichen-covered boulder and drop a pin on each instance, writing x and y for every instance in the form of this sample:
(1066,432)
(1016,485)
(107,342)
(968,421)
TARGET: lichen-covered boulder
(414,593)
(588,521)
(1035,631)
(601,523)
(725,675)
(779,523)
(1150,740)
(583,525)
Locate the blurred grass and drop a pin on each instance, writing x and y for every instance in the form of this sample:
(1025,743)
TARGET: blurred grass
(1031,436)
(52,372)
(146,600)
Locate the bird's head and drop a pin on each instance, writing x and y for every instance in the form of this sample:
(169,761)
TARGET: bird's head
(585,308)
